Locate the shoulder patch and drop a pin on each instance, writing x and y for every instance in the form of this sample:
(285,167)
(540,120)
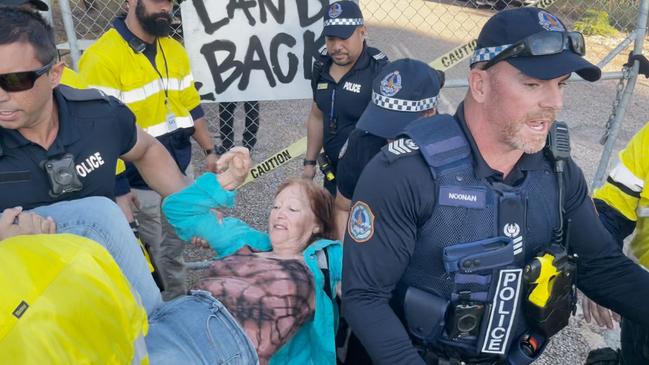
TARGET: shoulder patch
(82,94)
(379,56)
(322,51)
(343,149)
(361,222)
(402,147)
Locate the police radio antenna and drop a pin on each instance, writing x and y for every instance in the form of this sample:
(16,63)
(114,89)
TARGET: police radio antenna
(558,149)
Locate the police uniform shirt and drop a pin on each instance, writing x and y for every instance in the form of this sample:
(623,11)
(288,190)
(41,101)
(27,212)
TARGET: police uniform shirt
(359,149)
(396,194)
(350,96)
(95,129)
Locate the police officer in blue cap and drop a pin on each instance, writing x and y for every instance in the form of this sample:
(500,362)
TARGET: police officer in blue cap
(403,91)
(342,85)
(466,246)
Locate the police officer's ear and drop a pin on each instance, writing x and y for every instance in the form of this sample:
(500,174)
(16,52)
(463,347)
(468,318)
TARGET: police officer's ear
(363,31)
(55,74)
(478,84)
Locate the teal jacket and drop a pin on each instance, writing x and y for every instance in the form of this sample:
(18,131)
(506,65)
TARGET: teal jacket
(189,211)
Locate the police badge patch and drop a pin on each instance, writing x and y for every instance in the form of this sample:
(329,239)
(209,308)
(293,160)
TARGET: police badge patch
(361,222)
(335,10)
(391,84)
(550,22)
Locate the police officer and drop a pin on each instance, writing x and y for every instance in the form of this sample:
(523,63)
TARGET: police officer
(342,79)
(403,91)
(59,143)
(459,247)
(69,77)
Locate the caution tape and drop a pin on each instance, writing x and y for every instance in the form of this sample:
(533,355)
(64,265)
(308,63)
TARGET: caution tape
(278,159)
(459,54)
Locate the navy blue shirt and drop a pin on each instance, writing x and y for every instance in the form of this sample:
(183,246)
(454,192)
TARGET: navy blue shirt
(350,96)
(359,149)
(94,128)
(400,194)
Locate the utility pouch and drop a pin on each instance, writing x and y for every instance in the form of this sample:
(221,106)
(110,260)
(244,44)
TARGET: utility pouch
(551,294)
(481,255)
(424,314)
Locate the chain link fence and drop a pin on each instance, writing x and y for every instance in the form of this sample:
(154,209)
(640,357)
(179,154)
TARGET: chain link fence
(610,27)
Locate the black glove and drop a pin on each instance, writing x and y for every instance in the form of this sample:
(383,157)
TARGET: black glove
(644,64)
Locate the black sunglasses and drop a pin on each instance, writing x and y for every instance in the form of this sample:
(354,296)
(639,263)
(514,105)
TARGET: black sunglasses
(21,81)
(542,44)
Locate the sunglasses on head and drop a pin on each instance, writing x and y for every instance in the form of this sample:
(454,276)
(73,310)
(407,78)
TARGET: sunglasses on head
(21,81)
(542,44)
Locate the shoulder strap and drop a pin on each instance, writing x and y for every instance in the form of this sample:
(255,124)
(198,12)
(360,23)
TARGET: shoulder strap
(81,94)
(323,264)
(441,142)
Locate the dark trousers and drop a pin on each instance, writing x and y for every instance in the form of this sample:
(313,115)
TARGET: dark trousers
(635,343)
(226,121)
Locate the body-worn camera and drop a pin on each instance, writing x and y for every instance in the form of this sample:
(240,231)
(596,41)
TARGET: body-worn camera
(62,175)
(465,320)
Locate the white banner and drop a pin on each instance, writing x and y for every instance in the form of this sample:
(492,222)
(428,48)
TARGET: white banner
(244,50)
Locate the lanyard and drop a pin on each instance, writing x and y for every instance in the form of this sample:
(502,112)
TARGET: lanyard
(165,86)
(332,118)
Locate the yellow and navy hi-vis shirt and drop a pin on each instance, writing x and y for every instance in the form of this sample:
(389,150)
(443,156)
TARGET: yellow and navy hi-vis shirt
(72,79)
(625,191)
(164,99)
(114,67)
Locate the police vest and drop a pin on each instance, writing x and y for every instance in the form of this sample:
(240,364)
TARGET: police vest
(470,212)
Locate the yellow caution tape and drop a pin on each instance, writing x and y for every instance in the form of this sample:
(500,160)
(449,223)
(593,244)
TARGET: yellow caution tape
(458,54)
(276,160)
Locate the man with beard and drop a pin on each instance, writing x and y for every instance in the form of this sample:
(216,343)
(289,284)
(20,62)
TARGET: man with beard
(342,85)
(465,239)
(137,62)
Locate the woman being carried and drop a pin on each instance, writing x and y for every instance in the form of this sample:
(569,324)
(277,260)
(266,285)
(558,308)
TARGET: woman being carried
(252,304)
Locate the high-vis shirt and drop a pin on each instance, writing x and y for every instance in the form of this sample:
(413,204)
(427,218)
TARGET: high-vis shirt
(162,98)
(625,191)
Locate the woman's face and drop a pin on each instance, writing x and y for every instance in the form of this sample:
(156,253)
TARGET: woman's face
(292,222)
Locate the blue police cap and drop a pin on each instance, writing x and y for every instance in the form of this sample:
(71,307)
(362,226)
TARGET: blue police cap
(400,92)
(37,4)
(510,26)
(341,19)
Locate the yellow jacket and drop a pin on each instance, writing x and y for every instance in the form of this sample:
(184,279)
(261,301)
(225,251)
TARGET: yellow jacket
(161,100)
(625,191)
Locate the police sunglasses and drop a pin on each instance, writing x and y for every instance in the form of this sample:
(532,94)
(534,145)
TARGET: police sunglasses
(21,81)
(542,44)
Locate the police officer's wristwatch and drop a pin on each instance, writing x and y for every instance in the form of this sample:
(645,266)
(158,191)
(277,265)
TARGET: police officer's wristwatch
(306,162)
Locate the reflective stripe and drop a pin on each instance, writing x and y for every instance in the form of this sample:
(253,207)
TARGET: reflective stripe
(643,212)
(625,177)
(152,88)
(141,352)
(164,127)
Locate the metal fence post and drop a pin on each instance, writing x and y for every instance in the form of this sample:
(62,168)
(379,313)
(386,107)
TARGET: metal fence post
(66,14)
(641,28)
